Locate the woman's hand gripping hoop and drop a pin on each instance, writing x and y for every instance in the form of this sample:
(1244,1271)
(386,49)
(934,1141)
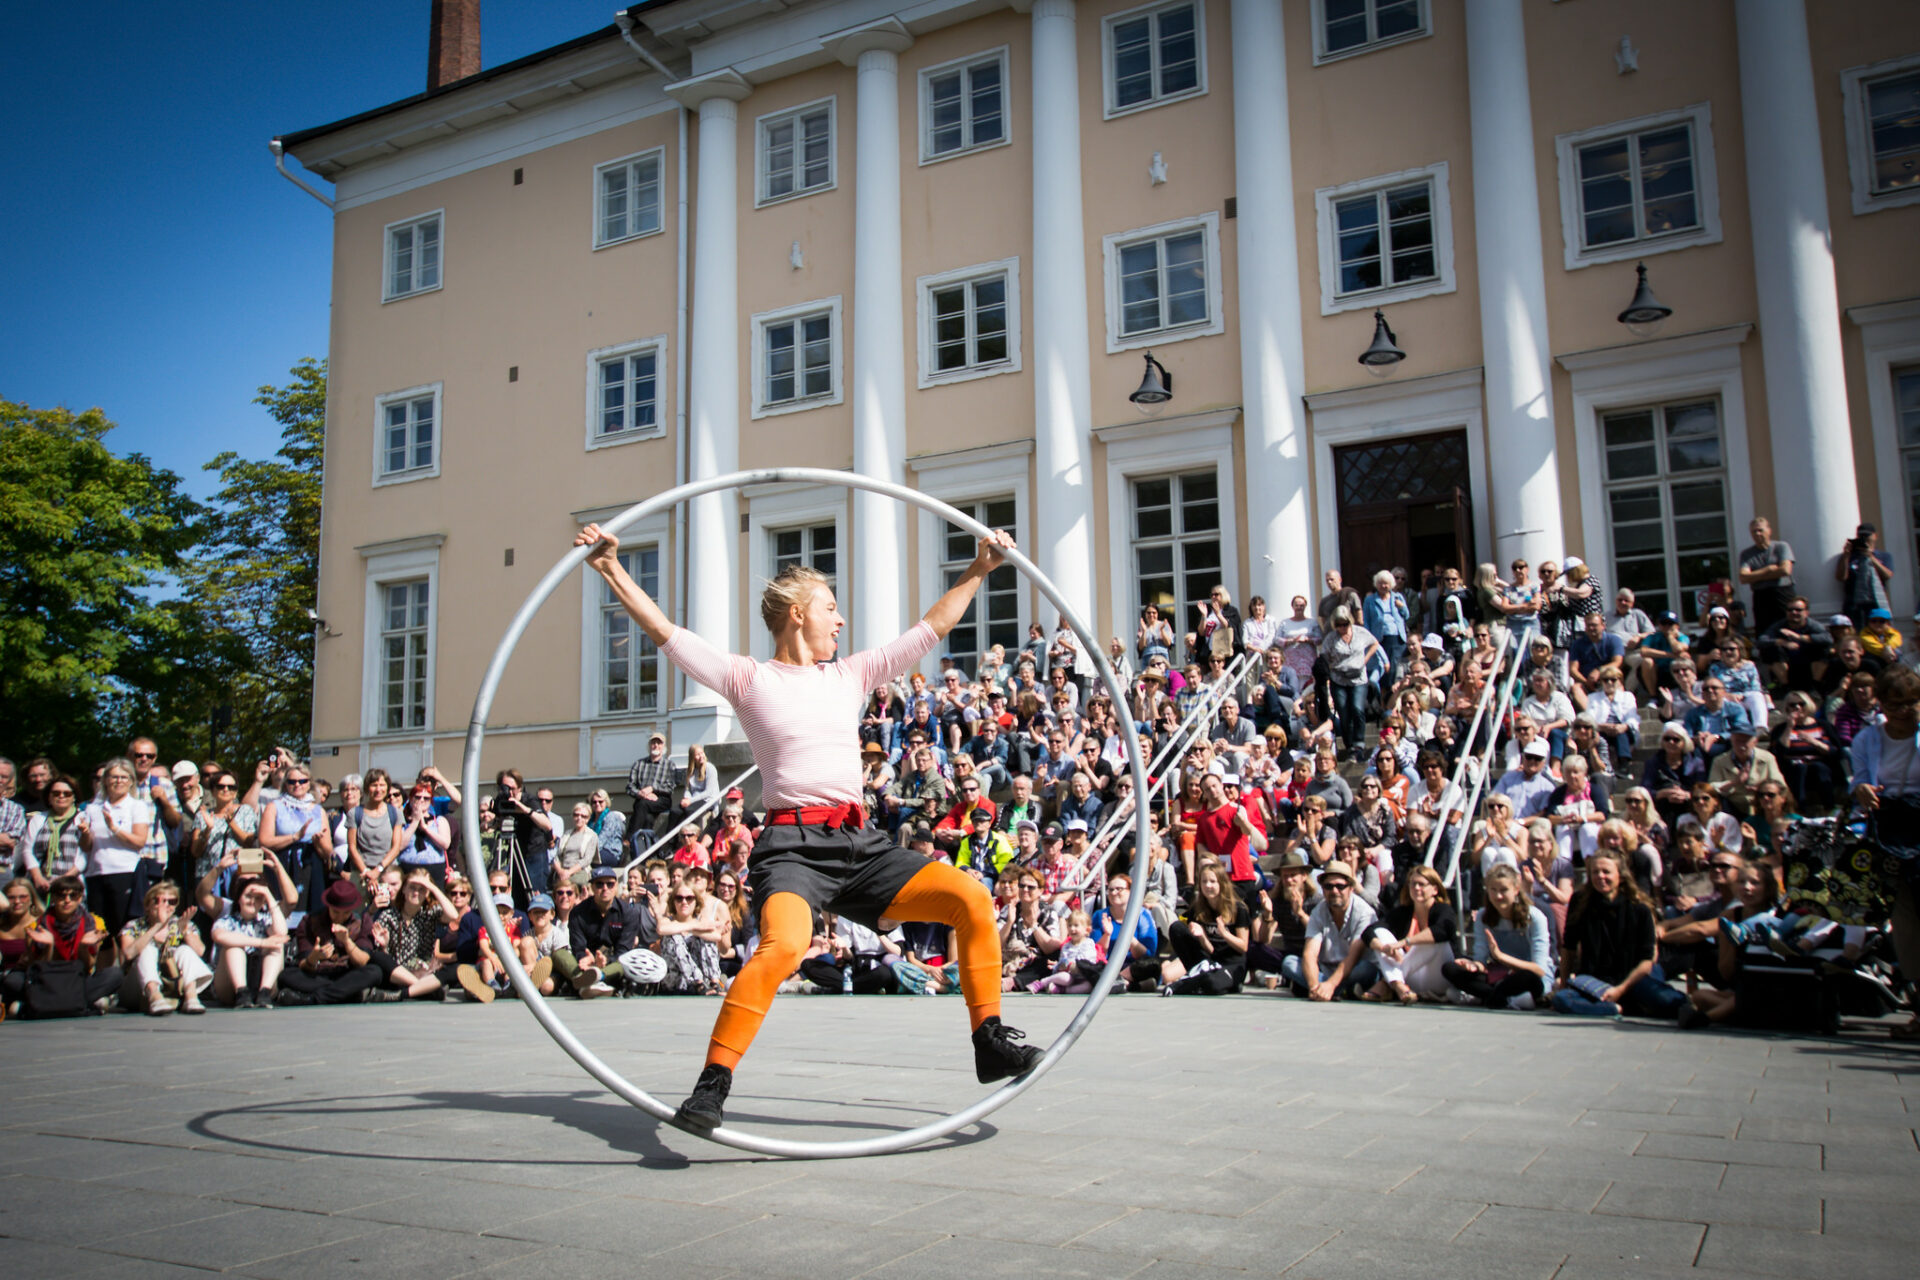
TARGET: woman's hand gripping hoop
(541,1010)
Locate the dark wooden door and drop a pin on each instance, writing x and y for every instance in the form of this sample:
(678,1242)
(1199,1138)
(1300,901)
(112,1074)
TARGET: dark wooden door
(1371,538)
(1463,532)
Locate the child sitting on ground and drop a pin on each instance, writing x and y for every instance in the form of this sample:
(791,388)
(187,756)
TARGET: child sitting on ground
(1077,949)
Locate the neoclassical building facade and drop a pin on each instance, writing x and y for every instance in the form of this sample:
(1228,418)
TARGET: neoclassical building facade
(943,243)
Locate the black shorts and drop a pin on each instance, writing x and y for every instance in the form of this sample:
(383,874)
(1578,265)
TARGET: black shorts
(856,873)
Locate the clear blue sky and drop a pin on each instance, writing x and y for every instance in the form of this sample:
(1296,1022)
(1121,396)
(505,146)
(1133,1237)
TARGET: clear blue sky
(155,265)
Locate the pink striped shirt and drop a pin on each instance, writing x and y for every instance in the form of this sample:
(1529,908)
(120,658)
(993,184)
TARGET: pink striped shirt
(803,723)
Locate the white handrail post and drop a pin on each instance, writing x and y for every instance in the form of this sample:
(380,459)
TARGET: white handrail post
(674,830)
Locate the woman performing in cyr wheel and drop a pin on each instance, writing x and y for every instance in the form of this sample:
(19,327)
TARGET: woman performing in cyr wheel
(801,714)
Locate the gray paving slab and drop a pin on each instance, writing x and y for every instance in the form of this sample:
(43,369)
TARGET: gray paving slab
(1199,1139)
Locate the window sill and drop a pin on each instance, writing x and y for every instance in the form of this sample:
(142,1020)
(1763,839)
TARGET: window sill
(1635,249)
(1135,108)
(1161,337)
(413,293)
(947,377)
(1361,50)
(796,406)
(764,202)
(963,152)
(638,235)
(615,439)
(408,477)
(1387,297)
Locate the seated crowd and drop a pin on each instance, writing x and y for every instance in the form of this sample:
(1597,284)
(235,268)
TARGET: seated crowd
(1318,822)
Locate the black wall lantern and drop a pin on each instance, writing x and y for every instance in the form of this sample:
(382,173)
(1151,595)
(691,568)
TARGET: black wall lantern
(1156,387)
(1383,356)
(1646,313)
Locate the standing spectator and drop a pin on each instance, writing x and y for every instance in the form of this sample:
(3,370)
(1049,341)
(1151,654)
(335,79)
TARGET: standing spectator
(1347,650)
(423,839)
(372,824)
(1593,653)
(1766,568)
(1153,638)
(51,847)
(113,835)
(1258,631)
(1339,596)
(295,827)
(1886,783)
(1384,615)
(1863,572)
(650,783)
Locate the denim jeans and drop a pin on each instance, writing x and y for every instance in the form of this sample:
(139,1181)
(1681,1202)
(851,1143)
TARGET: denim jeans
(1350,713)
(1649,997)
(1363,975)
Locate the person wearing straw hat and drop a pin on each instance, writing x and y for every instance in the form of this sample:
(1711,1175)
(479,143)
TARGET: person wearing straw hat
(1334,958)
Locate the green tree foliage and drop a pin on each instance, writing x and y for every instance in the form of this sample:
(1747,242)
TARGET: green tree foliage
(85,540)
(254,576)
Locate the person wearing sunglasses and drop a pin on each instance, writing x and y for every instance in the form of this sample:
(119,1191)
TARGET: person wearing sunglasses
(113,835)
(162,953)
(295,827)
(51,847)
(66,944)
(1349,649)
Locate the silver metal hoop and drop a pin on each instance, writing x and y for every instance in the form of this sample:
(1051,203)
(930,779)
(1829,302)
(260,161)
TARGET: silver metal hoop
(899,1140)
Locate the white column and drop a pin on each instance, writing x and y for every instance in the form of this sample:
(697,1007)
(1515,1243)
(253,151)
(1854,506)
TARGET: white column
(713,426)
(1062,376)
(1521,449)
(1272,354)
(1799,305)
(879,347)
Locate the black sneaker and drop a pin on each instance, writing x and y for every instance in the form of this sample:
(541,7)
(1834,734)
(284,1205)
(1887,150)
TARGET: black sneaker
(264,1000)
(243,1000)
(996,1056)
(702,1111)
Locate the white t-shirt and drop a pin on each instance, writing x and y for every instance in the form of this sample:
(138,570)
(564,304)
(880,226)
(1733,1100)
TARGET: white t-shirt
(112,855)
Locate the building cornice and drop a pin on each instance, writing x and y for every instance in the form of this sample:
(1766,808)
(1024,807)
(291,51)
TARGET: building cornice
(1395,389)
(399,546)
(1150,427)
(1885,312)
(1686,344)
(966,457)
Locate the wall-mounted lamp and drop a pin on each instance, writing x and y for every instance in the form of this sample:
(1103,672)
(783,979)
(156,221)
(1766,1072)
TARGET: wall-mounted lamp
(1156,387)
(1381,358)
(1646,313)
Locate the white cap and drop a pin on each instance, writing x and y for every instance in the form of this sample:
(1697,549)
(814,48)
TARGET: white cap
(1839,620)
(1572,562)
(1675,726)
(1432,641)
(1076,824)
(1718,611)
(1230,779)
(1538,747)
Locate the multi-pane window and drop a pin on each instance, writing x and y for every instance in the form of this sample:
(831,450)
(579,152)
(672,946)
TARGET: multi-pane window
(1906,404)
(629,661)
(403,647)
(999,597)
(1163,282)
(408,434)
(1348,26)
(1667,503)
(629,393)
(413,257)
(969,323)
(1153,55)
(798,358)
(1386,238)
(1893,131)
(796,152)
(964,106)
(816,546)
(1638,186)
(1176,542)
(627,199)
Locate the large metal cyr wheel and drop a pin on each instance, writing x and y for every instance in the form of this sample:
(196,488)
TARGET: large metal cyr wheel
(882,1144)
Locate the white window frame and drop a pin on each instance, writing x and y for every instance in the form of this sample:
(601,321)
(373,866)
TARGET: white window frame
(599,356)
(1853,91)
(637,636)
(924,289)
(972,475)
(927,154)
(386,563)
(386,256)
(659,157)
(1165,446)
(621,744)
(1322,56)
(1890,340)
(1107,85)
(1327,230)
(1661,371)
(383,477)
(757,330)
(1110,246)
(760,126)
(1706,189)
(785,506)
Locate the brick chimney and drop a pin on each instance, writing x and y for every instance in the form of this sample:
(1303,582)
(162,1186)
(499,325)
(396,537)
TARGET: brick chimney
(453,42)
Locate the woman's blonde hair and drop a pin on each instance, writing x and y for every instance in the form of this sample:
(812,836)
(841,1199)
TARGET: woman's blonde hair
(793,585)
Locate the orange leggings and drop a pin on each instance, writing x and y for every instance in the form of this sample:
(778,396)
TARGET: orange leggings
(937,893)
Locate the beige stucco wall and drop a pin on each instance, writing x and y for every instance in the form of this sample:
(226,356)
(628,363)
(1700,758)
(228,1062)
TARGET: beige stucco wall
(523,287)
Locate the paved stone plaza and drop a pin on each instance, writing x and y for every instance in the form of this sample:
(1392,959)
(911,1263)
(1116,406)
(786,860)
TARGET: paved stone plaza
(1202,1138)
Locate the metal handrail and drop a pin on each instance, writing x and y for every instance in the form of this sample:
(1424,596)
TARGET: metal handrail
(700,809)
(1177,742)
(1479,763)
